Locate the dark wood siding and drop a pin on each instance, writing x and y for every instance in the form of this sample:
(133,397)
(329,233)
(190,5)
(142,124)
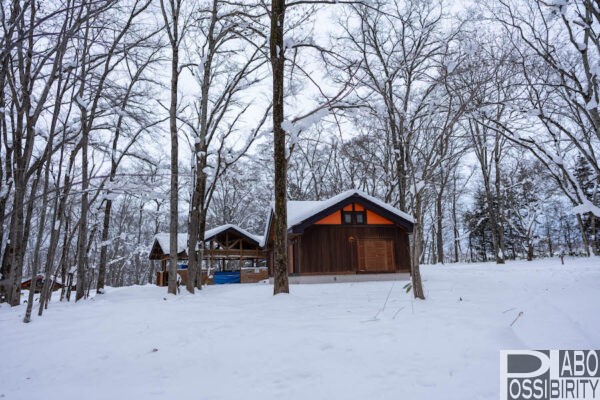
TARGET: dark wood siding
(349,249)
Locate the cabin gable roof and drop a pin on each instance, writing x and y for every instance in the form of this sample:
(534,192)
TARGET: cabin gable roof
(220,230)
(161,246)
(302,214)
(383,211)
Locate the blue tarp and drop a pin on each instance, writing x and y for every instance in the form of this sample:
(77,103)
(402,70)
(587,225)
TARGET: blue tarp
(222,277)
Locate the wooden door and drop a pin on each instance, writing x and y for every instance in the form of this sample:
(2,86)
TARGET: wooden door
(376,255)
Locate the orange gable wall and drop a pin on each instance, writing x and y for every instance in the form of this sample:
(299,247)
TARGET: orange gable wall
(372,217)
(376,219)
(332,219)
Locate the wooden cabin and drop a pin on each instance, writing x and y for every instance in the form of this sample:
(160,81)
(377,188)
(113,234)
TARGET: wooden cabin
(160,251)
(38,283)
(351,233)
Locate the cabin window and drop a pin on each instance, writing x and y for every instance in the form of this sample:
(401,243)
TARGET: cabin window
(360,217)
(354,217)
(347,218)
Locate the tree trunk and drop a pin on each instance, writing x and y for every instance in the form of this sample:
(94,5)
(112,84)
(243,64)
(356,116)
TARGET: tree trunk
(104,247)
(59,215)
(151,272)
(493,218)
(198,211)
(550,244)
(417,249)
(529,250)
(108,207)
(439,232)
(584,237)
(174,214)
(193,232)
(594,235)
(280,267)
(40,233)
(197,228)
(83,222)
(9,290)
(455,223)
(11,269)
(64,259)
(499,226)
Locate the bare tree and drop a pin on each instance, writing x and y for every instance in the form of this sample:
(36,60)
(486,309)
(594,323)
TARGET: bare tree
(136,67)
(555,48)
(222,79)
(171,14)
(277,57)
(405,59)
(29,76)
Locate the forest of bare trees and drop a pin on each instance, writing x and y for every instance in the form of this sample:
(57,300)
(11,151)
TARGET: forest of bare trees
(120,119)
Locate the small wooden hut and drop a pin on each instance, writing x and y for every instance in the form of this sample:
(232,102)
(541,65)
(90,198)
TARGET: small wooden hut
(351,233)
(38,283)
(160,251)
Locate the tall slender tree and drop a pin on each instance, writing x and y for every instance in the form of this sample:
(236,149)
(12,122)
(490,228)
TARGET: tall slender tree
(277,56)
(171,15)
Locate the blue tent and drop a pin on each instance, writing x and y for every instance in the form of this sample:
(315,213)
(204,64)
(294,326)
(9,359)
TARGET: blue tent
(222,277)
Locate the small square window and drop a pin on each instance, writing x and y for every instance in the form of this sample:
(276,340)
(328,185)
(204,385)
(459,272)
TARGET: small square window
(354,217)
(360,218)
(347,218)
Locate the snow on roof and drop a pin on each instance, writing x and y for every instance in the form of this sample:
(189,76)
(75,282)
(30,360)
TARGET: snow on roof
(26,278)
(164,242)
(299,211)
(57,279)
(215,231)
(163,239)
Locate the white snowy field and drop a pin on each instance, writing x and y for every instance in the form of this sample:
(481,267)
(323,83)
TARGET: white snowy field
(323,341)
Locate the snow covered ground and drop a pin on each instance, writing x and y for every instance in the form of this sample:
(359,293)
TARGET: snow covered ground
(323,341)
